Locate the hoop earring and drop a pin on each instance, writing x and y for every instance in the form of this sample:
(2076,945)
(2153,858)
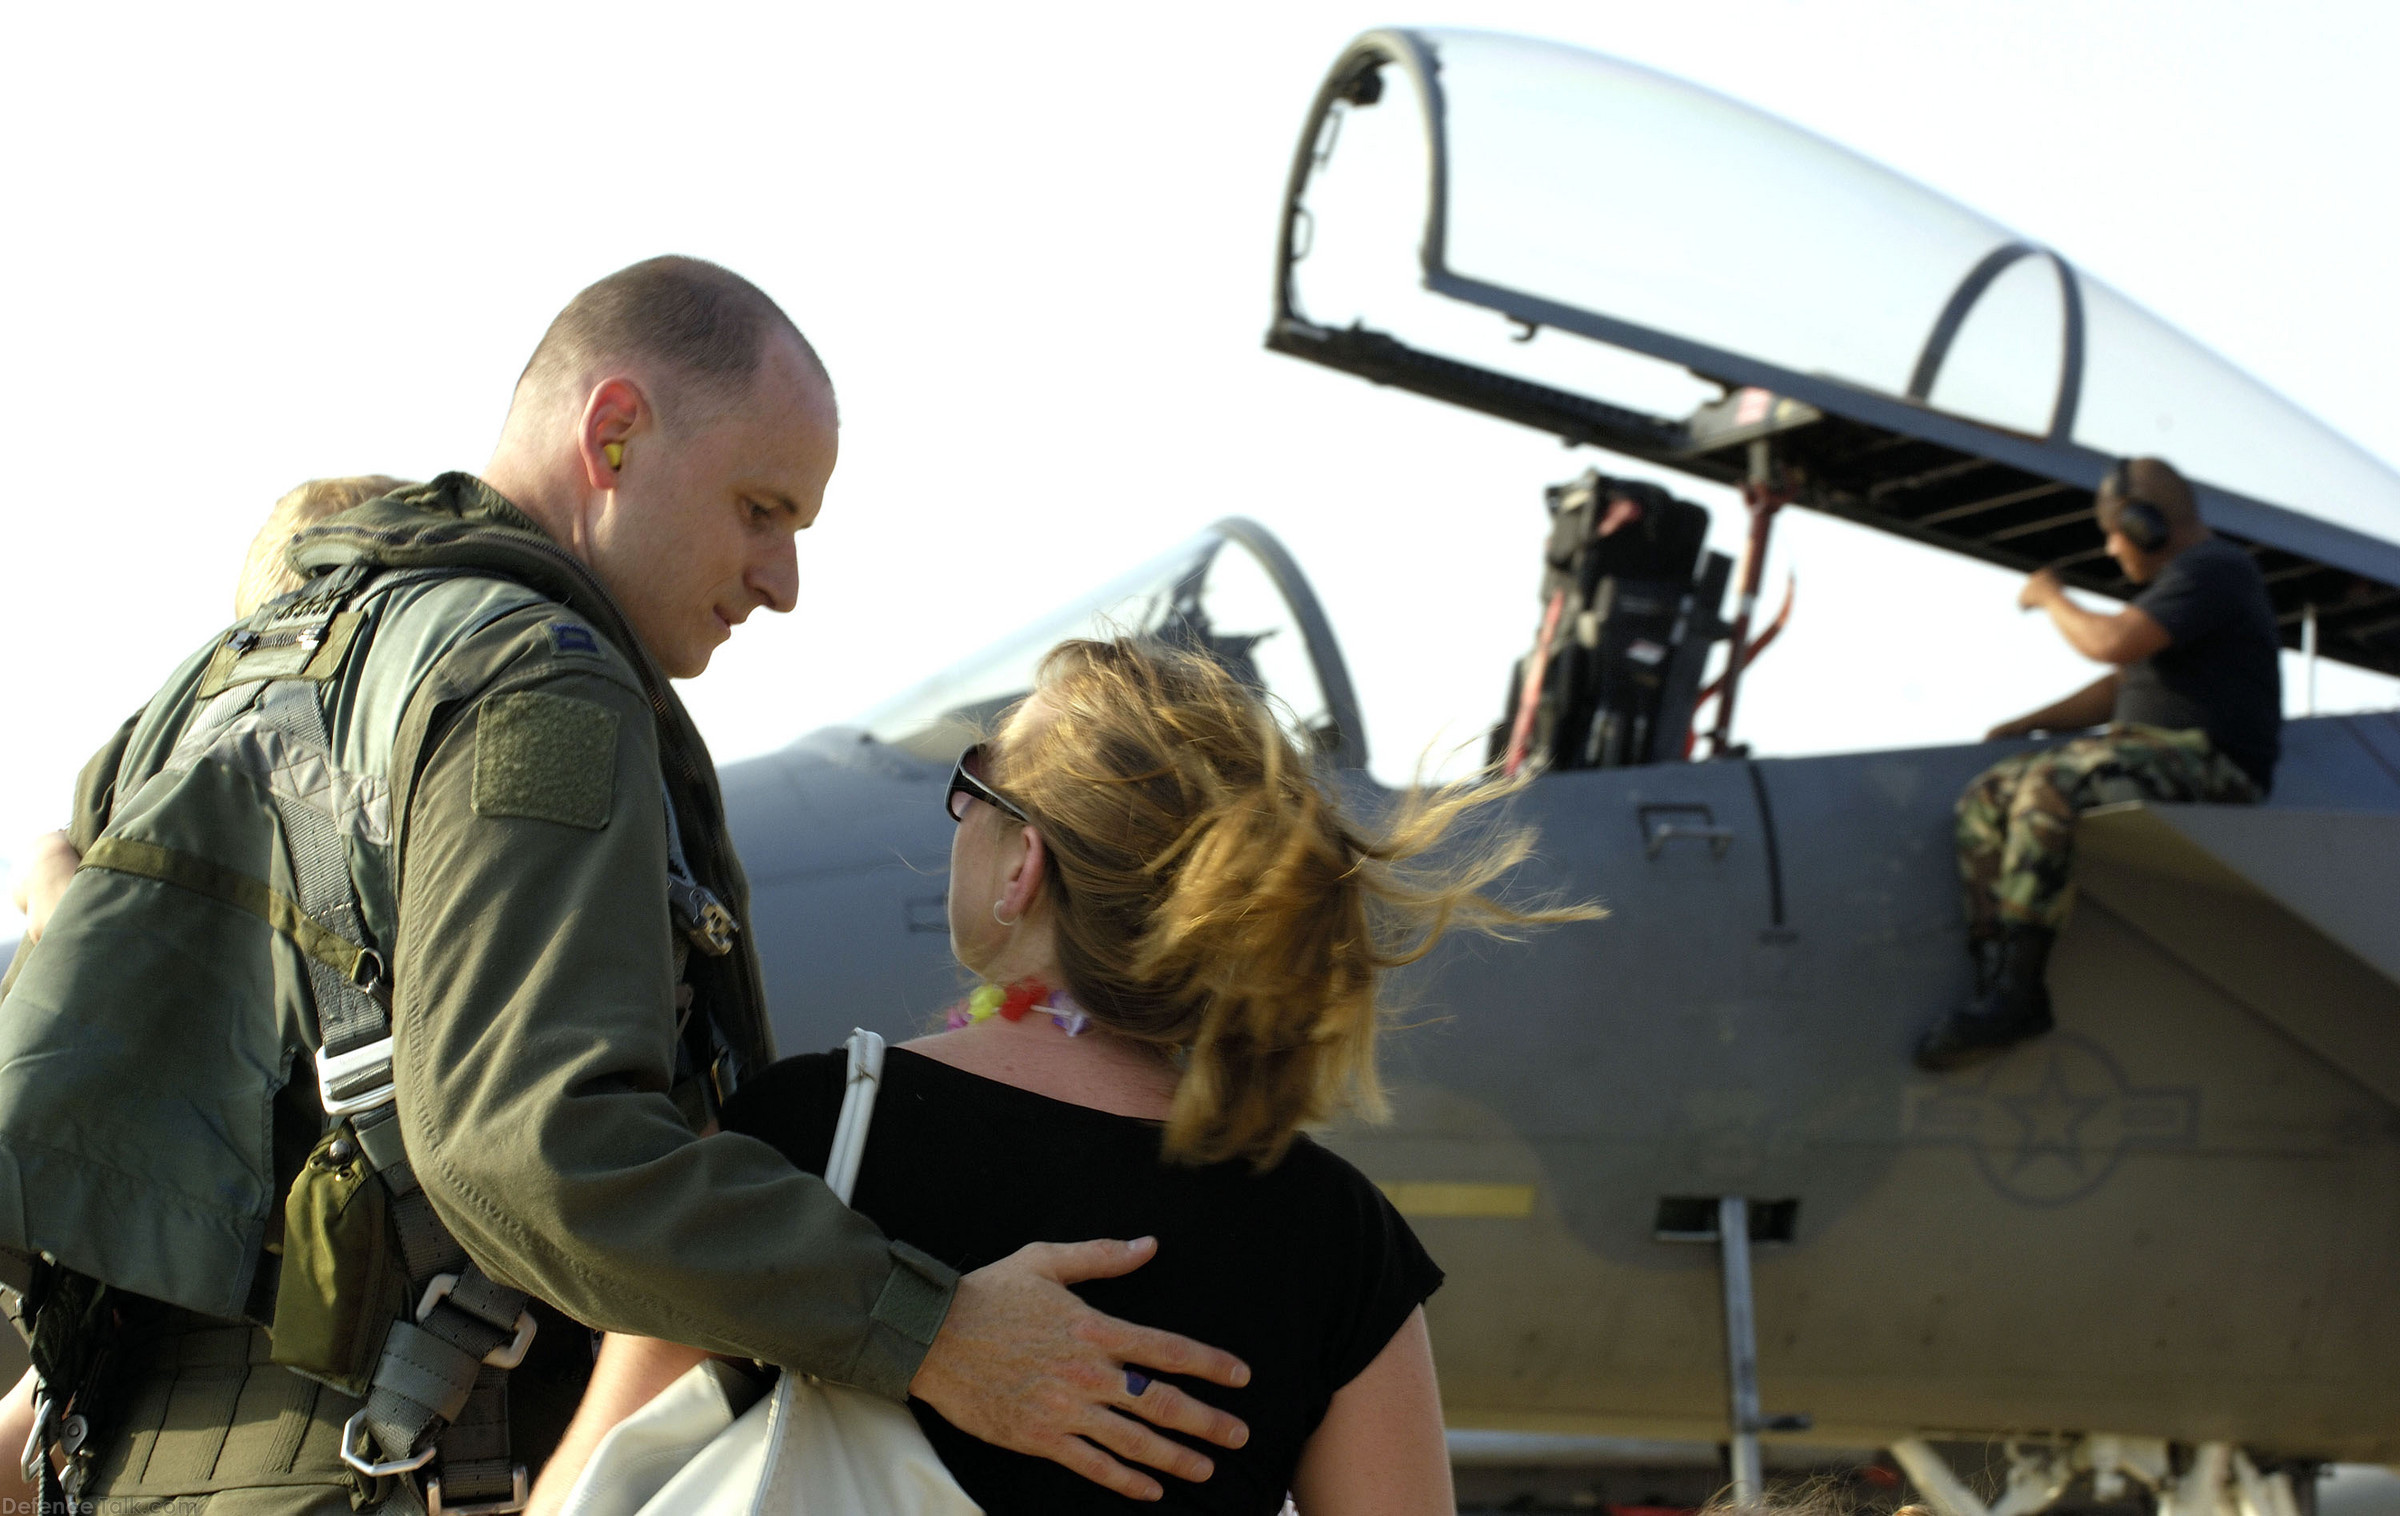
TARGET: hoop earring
(1003,920)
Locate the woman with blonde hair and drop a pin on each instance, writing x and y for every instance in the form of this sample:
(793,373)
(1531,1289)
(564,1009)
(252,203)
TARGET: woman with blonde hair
(1180,936)
(267,571)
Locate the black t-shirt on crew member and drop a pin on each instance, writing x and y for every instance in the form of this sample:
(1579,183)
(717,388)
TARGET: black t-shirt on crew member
(1303,1272)
(2220,671)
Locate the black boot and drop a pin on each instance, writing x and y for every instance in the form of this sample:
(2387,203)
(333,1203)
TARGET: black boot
(1985,951)
(2015,1006)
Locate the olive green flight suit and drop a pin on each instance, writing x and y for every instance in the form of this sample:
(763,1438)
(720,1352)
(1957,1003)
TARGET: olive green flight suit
(535,1026)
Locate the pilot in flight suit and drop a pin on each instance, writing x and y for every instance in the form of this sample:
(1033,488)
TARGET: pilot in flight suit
(406,963)
(203,1410)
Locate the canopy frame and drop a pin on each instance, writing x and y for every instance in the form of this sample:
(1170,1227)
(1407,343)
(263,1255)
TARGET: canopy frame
(1890,462)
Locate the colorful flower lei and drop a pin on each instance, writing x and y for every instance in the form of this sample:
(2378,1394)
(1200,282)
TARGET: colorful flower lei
(1014,1002)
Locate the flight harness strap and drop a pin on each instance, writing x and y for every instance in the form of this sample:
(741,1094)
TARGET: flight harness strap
(699,915)
(443,1372)
(707,1068)
(202,876)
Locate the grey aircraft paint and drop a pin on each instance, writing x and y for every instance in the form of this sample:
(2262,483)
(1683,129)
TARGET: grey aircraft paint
(2172,1218)
(2177,1217)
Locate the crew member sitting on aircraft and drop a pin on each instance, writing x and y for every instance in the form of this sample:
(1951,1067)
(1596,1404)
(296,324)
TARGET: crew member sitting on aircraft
(2194,706)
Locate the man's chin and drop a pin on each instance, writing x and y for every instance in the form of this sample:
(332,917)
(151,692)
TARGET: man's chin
(691,660)
(687,662)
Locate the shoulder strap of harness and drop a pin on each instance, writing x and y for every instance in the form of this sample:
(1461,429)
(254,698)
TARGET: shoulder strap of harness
(440,1387)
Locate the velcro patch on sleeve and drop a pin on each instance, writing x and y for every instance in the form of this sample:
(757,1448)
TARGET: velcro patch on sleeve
(547,757)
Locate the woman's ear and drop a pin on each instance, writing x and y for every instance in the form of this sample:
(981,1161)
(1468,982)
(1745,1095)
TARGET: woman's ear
(1026,876)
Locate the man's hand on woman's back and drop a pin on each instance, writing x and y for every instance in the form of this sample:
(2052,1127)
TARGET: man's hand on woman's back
(1024,1364)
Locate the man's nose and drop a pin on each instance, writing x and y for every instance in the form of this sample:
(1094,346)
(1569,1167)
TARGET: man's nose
(777,579)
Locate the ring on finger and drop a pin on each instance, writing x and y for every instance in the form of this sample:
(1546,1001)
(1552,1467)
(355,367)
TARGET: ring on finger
(1136,1382)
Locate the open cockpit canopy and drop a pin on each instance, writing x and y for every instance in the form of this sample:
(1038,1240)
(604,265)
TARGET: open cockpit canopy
(1231,592)
(1723,276)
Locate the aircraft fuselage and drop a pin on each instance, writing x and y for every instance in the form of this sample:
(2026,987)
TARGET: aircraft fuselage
(2173,1217)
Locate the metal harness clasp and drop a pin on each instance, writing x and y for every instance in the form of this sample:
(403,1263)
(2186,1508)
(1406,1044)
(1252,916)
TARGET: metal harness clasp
(713,932)
(356,1439)
(37,1441)
(507,1357)
(517,1498)
(339,1078)
(700,915)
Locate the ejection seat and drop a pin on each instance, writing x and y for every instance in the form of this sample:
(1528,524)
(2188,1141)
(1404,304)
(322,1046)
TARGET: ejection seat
(1630,604)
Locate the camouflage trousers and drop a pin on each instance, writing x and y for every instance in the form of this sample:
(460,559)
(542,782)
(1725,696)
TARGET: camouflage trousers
(2016,821)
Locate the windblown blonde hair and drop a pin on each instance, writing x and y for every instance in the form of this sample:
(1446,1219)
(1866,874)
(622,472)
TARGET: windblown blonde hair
(1210,896)
(1819,1495)
(266,573)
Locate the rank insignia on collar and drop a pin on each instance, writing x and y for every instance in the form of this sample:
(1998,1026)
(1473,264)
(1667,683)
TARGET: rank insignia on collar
(568,637)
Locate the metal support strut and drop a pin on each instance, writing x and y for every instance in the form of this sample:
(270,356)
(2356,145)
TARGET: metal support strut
(1744,1420)
(1741,1344)
(1763,494)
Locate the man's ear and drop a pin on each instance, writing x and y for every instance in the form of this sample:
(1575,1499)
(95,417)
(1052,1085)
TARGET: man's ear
(614,415)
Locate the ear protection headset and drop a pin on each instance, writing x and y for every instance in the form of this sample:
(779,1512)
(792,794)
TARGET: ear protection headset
(2144,524)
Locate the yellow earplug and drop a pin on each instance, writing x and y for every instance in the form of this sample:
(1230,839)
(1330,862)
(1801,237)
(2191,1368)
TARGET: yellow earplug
(614,452)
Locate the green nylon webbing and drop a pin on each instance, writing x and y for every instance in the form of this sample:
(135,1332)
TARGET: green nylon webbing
(148,860)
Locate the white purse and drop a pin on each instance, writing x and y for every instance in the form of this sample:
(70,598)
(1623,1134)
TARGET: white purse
(708,1445)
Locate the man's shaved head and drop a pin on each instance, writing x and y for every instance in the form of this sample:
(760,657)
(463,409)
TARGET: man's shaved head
(2153,480)
(700,330)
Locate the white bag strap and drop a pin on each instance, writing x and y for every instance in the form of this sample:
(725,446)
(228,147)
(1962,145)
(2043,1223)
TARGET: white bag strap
(858,1112)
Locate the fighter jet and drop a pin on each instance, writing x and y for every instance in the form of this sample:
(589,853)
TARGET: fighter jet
(1686,1182)
(1688,1187)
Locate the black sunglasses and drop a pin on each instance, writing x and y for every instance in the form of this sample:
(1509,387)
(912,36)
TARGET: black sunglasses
(967,784)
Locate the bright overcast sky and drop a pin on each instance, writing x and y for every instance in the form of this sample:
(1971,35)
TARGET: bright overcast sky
(1034,245)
